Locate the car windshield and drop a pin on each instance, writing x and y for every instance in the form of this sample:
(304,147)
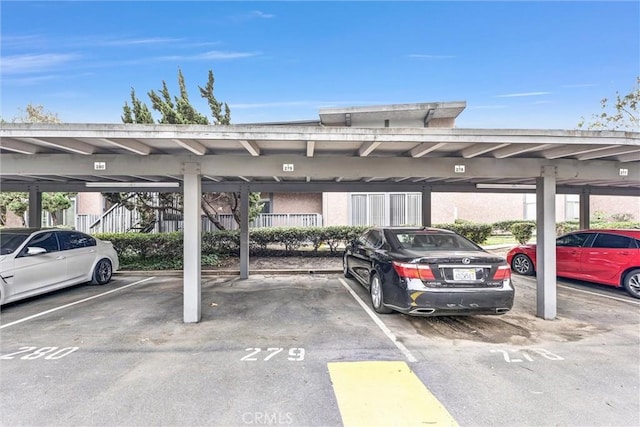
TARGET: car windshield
(430,241)
(9,242)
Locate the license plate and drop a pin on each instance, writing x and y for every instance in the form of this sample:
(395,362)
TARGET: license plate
(464,274)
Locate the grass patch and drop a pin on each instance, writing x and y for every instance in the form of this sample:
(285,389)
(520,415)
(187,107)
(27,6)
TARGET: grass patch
(501,239)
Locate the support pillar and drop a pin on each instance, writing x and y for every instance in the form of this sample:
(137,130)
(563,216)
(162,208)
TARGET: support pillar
(35,207)
(244,232)
(546,243)
(426,206)
(585,211)
(192,243)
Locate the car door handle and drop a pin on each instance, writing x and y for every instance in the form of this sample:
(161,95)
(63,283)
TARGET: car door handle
(92,250)
(61,257)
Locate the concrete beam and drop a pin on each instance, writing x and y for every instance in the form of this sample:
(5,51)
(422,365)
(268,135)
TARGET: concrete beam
(35,206)
(585,208)
(318,168)
(546,243)
(426,206)
(192,243)
(244,232)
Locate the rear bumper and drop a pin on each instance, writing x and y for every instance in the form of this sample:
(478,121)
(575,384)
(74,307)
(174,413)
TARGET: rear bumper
(448,302)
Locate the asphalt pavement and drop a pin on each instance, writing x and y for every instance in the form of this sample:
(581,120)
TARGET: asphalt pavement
(306,350)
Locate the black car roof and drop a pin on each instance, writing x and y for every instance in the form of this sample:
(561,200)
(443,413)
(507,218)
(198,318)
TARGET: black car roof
(416,229)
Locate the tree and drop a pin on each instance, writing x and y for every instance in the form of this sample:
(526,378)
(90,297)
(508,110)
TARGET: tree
(17,202)
(35,114)
(56,202)
(624,116)
(179,110)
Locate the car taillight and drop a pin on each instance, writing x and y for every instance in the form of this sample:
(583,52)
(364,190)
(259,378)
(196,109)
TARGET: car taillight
(503,272)
(413,271)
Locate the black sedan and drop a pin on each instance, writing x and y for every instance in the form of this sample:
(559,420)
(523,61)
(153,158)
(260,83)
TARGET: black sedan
(428,272)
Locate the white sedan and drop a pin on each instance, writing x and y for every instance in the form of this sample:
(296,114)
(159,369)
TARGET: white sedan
(34,261)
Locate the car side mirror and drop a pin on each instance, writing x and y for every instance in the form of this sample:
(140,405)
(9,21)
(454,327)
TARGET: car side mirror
(34,250)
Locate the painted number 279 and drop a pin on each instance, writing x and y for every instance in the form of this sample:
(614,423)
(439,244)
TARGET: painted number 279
(294,355)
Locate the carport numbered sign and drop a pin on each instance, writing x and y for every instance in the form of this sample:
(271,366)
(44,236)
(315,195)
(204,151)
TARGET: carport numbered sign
(255,354)
(45,353)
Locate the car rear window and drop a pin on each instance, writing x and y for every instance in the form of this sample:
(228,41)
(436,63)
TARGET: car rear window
(430,241)
(613,241)
(75,240)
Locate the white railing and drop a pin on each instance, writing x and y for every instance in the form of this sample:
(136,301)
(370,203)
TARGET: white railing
(118,219)
(83,222)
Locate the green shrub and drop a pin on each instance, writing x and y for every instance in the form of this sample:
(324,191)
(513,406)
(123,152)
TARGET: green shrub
(478,233)
(505,226)
(522,231)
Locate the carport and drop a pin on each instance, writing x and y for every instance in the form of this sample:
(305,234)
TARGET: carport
(316,157)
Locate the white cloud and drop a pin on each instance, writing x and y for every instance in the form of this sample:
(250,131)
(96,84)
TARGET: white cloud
(577,85)
(213,54)
(311,104)
(139,41)
(274,104)
(9,41)
(35,63)
(426,56)
(261,15)
(517,95)
(486,107)
(28,81)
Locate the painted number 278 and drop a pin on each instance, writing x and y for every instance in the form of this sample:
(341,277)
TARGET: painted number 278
(525,354)
(48,353)
(294,355)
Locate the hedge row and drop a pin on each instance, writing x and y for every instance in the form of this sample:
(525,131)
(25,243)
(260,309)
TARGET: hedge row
(166,249)
(261,240)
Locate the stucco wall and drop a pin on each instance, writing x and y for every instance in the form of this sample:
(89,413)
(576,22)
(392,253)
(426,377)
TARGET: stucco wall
(89,204)
(476,207)
(296,203)
(610,205)
(335,209)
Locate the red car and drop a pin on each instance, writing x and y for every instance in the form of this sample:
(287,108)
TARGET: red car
(609,257)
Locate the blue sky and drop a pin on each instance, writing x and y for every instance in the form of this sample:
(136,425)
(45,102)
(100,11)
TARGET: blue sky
(516,64)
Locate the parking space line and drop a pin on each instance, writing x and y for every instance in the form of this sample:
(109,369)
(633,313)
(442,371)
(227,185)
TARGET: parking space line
(410,357)
(572,288)
(384,394)
(599,294)
(74,303)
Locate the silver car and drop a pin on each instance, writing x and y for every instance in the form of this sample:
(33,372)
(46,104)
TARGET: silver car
(34,261)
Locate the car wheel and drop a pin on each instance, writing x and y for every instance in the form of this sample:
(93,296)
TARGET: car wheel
(522,264)
(377,296)
(632,283)
(345,268)
(102,273)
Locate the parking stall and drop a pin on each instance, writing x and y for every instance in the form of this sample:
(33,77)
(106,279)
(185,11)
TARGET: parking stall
(308,350)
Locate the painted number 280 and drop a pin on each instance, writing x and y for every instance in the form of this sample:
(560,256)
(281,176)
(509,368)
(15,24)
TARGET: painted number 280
(295,354)
(32,353)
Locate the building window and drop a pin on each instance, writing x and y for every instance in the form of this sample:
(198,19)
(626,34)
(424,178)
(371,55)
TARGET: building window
(572,206)
(386,209)
(530,206)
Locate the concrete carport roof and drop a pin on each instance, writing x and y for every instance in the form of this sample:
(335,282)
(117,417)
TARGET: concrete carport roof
(314,157)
